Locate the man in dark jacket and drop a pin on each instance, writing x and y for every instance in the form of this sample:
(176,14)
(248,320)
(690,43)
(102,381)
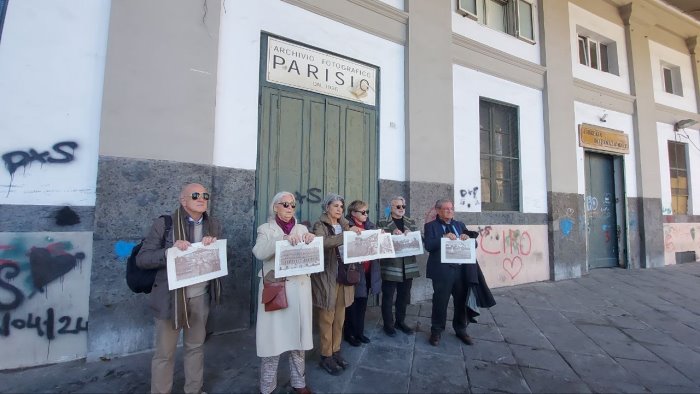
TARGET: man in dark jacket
(457,280)
(184,308)
(397,273)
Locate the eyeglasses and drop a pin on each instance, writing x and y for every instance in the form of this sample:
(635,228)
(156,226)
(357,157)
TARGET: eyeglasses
(288,204)
(204,195)
(400,207)
(363,212)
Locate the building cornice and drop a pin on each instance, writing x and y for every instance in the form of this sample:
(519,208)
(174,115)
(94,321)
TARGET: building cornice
(671,115)
(601,96)
(500,56)
(334,10)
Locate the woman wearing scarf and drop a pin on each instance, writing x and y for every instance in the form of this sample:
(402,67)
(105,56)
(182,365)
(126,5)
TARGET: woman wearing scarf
(287,329)
(370,280)
(331,297)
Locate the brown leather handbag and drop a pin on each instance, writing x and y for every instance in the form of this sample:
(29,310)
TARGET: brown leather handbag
(274,294)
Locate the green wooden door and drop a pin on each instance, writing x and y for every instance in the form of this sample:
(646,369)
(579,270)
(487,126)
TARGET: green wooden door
(311,145)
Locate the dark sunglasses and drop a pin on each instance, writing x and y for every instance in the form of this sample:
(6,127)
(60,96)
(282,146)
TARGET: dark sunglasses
(363,212)
(204,195)
(400,207)
(288,204)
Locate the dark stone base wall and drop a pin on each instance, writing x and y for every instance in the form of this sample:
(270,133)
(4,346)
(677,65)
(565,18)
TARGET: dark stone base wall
(634,245)
(130,194)
(651,232)
(567,235)
(26,218)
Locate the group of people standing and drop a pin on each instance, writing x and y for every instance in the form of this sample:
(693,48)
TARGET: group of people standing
(339,305)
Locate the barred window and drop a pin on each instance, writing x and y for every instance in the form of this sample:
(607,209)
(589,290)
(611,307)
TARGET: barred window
(678,165)
(500,156)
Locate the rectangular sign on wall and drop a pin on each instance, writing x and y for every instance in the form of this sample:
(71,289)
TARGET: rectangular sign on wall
(309,69)
(603,139)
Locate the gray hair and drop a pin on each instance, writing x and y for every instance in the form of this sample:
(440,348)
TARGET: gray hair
(276,199)
(331,198)
(438,203)
(396,198)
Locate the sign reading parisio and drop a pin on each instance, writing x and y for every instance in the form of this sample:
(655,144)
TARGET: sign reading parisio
(305,68)
(603,139)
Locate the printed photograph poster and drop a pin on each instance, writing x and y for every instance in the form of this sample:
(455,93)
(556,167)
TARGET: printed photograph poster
(298,260)
(197,264)
(409,244)
(386,246)
(361,247)
(458,251)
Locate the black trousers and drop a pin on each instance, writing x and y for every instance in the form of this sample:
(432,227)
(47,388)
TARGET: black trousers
(403,298)
(453,285)
(355,318)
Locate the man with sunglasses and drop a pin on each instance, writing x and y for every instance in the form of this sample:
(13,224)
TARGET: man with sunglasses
(185,308)
(397,273)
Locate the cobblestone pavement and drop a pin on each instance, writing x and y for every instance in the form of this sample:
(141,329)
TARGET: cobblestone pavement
(613,330)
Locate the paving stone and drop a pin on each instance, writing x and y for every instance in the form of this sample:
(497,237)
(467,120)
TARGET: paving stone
(600,385)
(614,307)
(650,372)
(370,380)
(651,336)
(533,338)
(541,381)
(684,359)
(586,318)
(627,322)
(388,358)
(616,343)
(494,352)
(487,332)
(542,359)
(596,366)
(496,377)
(449,344)
(437,373)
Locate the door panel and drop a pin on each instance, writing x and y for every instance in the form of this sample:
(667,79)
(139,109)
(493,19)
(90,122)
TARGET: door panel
(600,203)
(311,145)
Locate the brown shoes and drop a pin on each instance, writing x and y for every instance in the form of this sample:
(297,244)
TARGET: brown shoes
(465,338)
(434,339)
(303,390)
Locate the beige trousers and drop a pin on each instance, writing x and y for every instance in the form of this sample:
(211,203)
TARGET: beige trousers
(163,362)
(330,324)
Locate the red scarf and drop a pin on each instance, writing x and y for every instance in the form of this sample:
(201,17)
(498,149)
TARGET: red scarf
(285,226)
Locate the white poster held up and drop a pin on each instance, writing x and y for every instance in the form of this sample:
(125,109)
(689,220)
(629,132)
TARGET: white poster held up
(197,264)
(458,251)
(298,260)
(409,244)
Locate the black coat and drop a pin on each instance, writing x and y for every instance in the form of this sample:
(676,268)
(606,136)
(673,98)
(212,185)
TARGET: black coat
(471,273)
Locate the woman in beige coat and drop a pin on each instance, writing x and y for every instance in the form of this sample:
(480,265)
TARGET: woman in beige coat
(330,297)
(286,329)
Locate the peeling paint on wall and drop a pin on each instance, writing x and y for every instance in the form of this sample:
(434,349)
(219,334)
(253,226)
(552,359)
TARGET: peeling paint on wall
(680,237)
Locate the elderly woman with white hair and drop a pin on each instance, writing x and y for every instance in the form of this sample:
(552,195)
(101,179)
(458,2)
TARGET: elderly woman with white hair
(287,329)
(330,295)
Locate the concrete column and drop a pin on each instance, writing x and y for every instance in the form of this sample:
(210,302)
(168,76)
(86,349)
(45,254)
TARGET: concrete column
(694,50)
(638,23)
(430,136)
(567,250)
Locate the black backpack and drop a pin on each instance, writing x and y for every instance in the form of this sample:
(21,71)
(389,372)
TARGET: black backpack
(141,280)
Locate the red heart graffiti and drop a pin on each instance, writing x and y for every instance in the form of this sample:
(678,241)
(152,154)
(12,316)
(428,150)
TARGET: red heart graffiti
(513,267)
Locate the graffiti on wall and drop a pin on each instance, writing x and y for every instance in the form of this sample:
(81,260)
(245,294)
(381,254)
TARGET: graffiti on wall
(511,254)
(44,297)
(680,237)
(469,197)
(61,153)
